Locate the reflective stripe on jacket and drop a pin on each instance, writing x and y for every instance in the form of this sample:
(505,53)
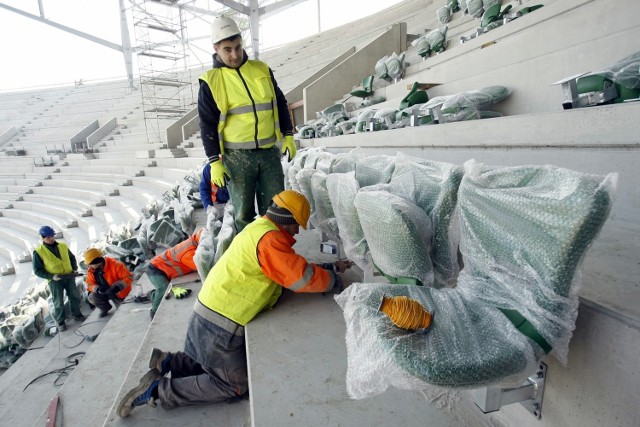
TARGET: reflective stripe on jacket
(246,99)
(114,271)
(52,263)
(248,277)
(178,260)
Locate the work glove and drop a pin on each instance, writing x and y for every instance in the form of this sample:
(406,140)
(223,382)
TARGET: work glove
(219,173)
(100,290)
(289,147)
(116,287)
(180,292)
(338,285)
(56,277)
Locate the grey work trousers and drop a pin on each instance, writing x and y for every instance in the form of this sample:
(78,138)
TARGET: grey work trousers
(225,378)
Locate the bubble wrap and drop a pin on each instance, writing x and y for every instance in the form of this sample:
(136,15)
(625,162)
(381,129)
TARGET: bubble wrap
(345,162)
(304,185)
(435,38)
(524,232)
(627,71)
(325,216)
(433,186)
(372,170)
(398,234)
(325,162)
(469,344)
(475,8)
(381,68)
(204,257)
(422,46)
(443,14)
(227,232)
(343,188)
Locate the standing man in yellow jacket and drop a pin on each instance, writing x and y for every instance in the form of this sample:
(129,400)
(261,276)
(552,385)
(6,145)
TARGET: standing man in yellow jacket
(247,280)
(54,262)
(243,113)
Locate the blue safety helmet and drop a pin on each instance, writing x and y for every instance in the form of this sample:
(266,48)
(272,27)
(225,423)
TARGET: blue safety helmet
(46,231)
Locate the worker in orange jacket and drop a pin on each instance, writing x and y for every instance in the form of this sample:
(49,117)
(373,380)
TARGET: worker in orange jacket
(107,279)
(174,262)
(246,280)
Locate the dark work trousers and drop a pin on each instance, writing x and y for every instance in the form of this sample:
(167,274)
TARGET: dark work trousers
(256,175)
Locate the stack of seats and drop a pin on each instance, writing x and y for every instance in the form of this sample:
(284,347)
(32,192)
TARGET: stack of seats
(523,233)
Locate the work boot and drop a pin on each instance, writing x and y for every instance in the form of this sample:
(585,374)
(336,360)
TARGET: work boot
(103,313)
(145,393)
(159,360)
(80,318)
(62,327)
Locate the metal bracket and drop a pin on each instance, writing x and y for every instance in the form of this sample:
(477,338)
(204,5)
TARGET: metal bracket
(529,394)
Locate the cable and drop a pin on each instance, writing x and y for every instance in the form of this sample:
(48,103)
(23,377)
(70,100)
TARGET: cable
(72,361)
(89,338)
(406,313)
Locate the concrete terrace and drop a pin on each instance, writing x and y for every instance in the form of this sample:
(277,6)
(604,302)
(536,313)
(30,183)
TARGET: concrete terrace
(297,353)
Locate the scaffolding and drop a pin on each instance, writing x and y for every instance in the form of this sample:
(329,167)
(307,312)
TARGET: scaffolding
(161,43)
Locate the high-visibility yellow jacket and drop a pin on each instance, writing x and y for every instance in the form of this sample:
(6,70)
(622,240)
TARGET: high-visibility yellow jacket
(52,263)
(178,260)
(249,277)
(247,102)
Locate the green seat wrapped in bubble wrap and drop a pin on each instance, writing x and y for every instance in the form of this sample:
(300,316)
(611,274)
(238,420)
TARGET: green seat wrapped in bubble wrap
(343,188)
(324,214)
(523,234)
(304,186)
(432,186)
(469,343)
(371,170)
(398,234)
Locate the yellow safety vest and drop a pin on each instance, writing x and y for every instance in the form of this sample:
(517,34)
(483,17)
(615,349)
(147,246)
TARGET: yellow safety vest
(248,107)
(52,263)
(236,287)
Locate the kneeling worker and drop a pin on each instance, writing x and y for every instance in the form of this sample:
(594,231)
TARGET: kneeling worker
(247,280)
(174,262)
(107,279)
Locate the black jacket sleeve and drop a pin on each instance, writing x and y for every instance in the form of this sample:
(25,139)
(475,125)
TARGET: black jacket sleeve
(283,108)
(209,117)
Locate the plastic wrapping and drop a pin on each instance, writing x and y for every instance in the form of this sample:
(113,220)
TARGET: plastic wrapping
(371,170)
(422,46)
(325,217)
(398,234)
(462,4)
(469,344)
(443,14)
(524,232)
(304,184)
(627,71)
(227,232)
(343,188)
(345,162)
(395,65)
(433,187)
(363,119)
(381,68)
(471,105)
(475,8)
(204,257)
(437,39)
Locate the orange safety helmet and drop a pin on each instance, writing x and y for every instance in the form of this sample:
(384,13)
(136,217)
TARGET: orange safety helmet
(295,203)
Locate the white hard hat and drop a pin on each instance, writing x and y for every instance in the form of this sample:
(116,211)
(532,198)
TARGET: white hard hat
(222,28)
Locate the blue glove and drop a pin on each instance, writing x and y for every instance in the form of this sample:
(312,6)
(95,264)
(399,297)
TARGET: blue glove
(289,147)
(219,174)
